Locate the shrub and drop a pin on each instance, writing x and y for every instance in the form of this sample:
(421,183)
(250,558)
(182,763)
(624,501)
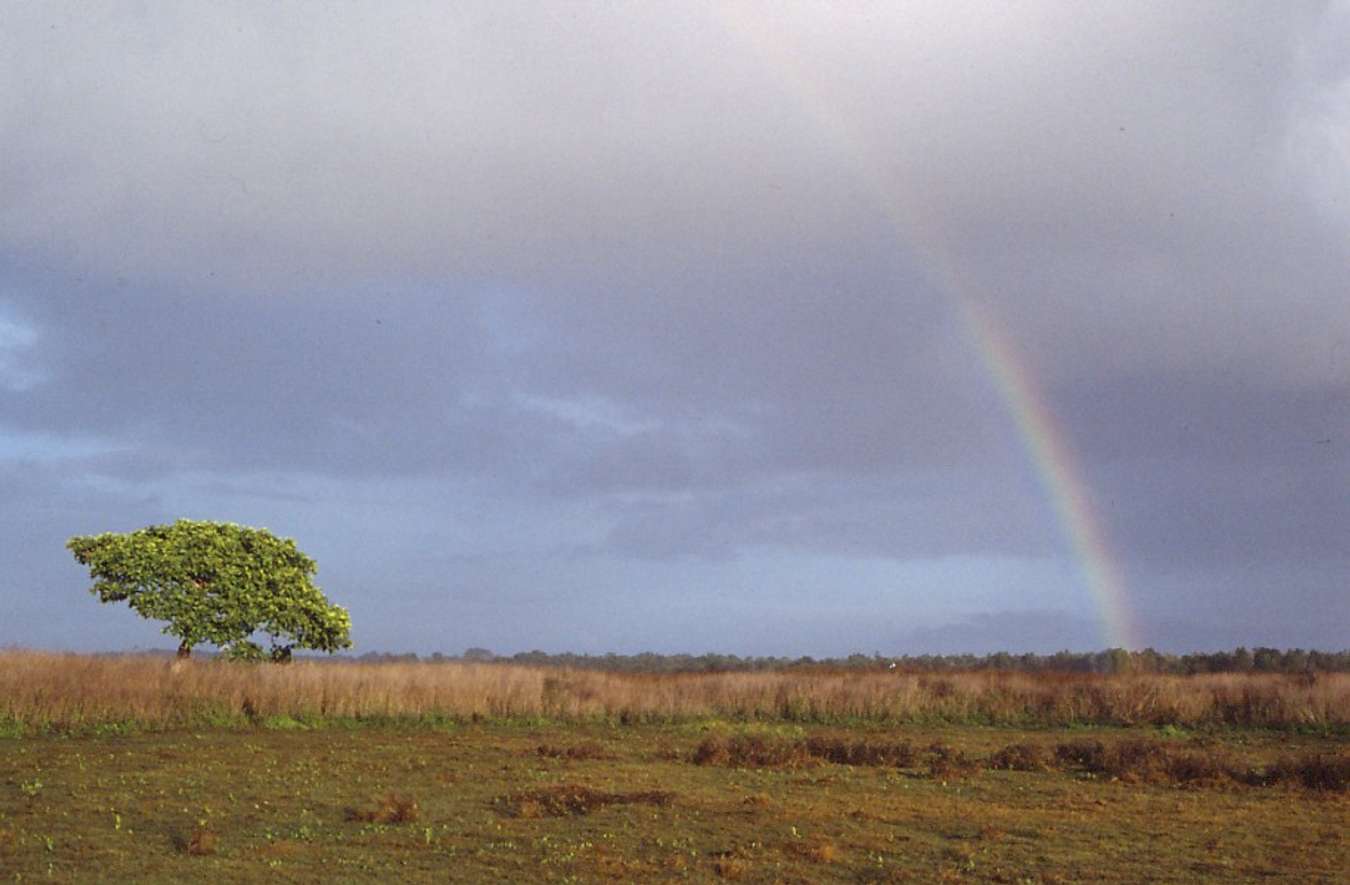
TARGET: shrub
(1085,754)
(947,762)
(1195,767)
(392,809)
(813,850)
(586,750)
(713,751)
(1316,771)
(573,800)
(752,751)
(840,752)
(758,751)
(1137,758)
(203,842)
(1019,757)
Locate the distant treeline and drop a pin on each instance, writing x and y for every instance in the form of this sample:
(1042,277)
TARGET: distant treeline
(1110,661)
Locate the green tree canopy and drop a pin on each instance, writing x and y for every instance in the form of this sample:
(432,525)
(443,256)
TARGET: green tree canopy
(216,583)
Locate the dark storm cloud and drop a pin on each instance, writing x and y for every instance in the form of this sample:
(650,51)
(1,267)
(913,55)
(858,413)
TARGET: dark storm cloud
(685,276)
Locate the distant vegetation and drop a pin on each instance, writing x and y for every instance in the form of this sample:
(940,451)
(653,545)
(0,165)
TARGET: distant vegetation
(1111,661)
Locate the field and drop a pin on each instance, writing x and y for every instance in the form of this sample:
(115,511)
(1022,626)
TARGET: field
(134,769)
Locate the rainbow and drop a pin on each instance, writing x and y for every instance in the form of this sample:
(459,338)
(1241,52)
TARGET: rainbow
(1058,469)
(1041,432)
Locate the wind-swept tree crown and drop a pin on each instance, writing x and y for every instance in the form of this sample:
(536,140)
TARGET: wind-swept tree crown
(217,583)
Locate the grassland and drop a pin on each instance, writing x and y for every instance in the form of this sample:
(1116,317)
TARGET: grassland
(75,693)
(134,771)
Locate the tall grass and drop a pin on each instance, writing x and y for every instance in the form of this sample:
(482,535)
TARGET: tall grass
(44,690)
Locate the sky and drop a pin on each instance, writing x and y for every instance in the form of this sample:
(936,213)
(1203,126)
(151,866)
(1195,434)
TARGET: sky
(766,329)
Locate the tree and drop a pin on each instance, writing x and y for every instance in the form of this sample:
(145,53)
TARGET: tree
(217,583)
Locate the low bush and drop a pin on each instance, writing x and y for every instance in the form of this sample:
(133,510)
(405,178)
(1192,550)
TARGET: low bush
(202,842)
(841,752)
(573,800)
(1197,768)
(752,751)
(587,750)
(392,809)
(760,751)
(946,762)
(1316,771)
(1019,757)
(1087,755)
(1138,759)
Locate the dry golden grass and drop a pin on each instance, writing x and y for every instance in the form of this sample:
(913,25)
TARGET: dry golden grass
(71,691)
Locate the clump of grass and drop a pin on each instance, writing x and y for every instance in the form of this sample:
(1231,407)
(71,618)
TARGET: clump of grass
(991,833)
(392,809)
(667,753)
(1315,771)
(1085,754)
(574,800)
(712,751)
(814,850)
(731,868)
(1132,759)
(202,842)
(946,762)
(1019,757)
(752,751)
(1142,759)
(900,754)
(760,751)
(1138,759)
(1197,768)
(585,750)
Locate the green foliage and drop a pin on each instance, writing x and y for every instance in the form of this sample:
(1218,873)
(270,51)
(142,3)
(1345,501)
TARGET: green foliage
(216,583)
(246,652)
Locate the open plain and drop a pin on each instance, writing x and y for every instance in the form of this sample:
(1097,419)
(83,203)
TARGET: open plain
(751,777)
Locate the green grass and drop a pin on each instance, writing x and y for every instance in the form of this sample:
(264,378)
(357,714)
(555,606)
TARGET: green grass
(284,800)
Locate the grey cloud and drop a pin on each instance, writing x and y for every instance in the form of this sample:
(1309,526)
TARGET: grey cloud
(380,382)
(219,136)
(914,517)
(690,275)
(1037,631)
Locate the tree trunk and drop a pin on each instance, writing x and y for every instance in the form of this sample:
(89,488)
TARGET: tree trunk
(184,650)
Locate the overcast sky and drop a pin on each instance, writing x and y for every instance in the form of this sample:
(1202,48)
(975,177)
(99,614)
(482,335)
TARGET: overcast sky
(623,327)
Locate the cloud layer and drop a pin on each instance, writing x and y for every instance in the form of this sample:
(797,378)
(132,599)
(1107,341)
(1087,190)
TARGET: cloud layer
(643,314)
